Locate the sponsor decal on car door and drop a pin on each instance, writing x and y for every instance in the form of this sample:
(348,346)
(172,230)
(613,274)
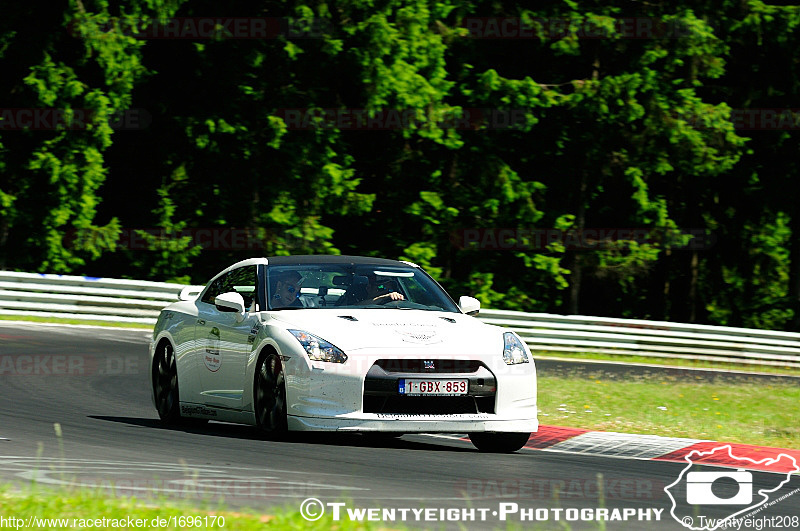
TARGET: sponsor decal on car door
(211,357)
(224,348)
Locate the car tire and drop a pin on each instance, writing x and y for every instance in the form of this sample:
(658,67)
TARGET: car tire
(495,442)
(165,384)
(270,396)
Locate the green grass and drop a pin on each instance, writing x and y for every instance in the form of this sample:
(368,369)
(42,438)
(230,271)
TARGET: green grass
(742,412)
(88,504)
(71,504)
(61,320)
(674,362)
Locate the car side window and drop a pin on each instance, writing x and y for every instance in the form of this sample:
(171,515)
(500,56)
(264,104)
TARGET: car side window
(242,280)
(215,289)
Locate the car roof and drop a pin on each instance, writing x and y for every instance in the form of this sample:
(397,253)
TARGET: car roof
(334,259)
(312,259)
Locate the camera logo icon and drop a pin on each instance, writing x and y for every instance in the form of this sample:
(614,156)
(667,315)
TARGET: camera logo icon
(699,488)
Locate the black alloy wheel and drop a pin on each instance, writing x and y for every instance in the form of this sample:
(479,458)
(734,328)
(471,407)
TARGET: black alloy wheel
(165,384)
(270,396)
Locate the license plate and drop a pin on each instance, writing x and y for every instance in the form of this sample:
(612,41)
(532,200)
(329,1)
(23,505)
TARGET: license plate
(420,387)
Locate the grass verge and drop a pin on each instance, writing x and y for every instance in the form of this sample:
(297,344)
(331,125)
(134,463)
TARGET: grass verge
(750,413)
(74,505)
(674,362)
(62,320)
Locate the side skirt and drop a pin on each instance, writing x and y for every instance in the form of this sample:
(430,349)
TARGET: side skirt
(200,411)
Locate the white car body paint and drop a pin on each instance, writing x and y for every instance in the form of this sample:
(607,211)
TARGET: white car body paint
(216,359)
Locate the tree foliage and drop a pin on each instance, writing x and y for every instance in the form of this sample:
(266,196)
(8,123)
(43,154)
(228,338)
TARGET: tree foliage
(575,124)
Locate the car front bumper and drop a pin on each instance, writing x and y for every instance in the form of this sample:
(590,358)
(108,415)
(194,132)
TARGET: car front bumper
(379,422)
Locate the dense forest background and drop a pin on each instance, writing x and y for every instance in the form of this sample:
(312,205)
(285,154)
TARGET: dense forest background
(660,137)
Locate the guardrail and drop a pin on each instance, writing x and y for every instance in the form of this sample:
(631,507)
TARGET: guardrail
(660,339)
(136,301)
(75,297)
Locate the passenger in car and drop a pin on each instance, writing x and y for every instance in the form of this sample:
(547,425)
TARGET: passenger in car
(287,289)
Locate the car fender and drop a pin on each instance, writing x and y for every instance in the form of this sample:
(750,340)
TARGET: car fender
(296,366)
(178,329)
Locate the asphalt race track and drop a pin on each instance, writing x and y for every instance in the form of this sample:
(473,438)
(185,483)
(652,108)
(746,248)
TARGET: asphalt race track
(94,383)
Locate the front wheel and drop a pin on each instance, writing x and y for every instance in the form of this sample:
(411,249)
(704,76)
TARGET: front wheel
(165,384)
(270,396)
(495,442)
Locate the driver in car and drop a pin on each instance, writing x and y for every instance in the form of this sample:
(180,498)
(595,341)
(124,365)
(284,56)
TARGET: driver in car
(380,293)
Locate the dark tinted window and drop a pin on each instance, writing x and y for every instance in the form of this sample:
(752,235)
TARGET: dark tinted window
(241,280)
(326,285)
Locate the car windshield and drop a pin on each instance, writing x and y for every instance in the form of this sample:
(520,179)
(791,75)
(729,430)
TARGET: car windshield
(354,286)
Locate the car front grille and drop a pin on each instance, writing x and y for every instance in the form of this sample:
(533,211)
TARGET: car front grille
(381,394)
(419,366)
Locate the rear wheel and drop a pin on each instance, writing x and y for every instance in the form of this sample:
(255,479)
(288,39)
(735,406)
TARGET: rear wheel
(270,396)
(165,384)
(496,442)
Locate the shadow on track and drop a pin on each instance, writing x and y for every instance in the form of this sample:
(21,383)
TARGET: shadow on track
(239,431)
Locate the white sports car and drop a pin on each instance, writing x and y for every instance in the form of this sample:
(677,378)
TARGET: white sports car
(341,343)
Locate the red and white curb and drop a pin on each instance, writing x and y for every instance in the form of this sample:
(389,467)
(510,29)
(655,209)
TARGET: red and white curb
(656,448)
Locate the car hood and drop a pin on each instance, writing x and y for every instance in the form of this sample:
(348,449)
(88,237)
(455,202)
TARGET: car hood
(353,329)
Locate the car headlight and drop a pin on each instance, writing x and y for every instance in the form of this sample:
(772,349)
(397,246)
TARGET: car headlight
(318,349)
(513,349)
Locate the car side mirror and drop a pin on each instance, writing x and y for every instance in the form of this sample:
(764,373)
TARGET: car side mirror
(469,305)
(190,293)
(230,302)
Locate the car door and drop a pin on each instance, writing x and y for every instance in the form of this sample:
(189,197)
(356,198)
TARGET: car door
(223,340)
